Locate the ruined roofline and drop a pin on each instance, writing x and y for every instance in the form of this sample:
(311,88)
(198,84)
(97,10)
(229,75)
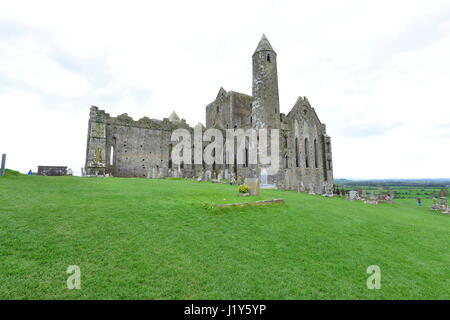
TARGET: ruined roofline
(124,119)
(225,94)
(304,102)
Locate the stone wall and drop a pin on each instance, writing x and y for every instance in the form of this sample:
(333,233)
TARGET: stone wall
(52,171)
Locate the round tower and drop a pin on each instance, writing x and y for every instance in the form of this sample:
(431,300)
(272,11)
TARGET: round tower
(266,103)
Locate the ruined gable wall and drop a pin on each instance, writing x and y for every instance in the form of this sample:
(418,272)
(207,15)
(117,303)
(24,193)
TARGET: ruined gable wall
(304,124)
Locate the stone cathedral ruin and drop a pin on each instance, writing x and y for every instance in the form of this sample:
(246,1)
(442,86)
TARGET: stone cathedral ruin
(123,147)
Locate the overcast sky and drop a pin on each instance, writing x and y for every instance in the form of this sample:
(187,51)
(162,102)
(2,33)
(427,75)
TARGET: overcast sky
(376,72)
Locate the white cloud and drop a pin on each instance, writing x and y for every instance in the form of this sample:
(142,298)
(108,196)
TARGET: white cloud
(376,73)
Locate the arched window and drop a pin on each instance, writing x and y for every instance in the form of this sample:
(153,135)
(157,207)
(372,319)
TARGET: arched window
(170,156)
(296,152)
(111,156)
(306,153)
(268,58)
(246,157)
(316,162)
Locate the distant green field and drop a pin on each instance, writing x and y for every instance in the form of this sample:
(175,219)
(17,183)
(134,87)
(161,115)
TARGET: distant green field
(403,192)
(161,239)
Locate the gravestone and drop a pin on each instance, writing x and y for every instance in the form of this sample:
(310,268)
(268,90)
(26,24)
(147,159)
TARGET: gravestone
(352,195)
(253,184)
(435,205)
(154,173)
(443,203)
(207,175)
(2,168)
(263,176)
(226,174)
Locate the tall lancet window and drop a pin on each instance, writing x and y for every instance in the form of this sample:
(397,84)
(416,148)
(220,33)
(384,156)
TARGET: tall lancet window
(306,153)
(316,162)
(111,156)
(296,152)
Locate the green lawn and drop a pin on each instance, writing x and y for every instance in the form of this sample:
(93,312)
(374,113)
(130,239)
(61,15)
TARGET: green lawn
(160,239)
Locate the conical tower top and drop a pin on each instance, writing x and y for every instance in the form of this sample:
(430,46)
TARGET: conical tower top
(264,45)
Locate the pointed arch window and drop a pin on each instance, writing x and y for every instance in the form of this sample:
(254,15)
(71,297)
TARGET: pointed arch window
(316,162)
(306,153)
(296,152)
(170,156)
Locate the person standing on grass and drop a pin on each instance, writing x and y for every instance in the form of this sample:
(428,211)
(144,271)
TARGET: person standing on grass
(419,201)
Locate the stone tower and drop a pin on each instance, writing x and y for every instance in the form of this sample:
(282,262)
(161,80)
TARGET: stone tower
(266,103)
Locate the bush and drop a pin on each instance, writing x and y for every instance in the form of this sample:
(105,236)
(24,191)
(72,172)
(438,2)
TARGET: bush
(243,188)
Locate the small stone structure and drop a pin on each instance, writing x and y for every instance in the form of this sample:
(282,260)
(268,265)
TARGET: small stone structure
(256,203)
(2,168)
(52,171)
(353,195)
(253,184)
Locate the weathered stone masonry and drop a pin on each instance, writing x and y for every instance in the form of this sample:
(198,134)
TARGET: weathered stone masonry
(123,147)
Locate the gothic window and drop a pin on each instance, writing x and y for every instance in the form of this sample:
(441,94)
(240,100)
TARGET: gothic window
(217,109)
(296,152)
(286,161)
(316,163)
(111,157)
(268,58)
(328,147)
(170,156)
(306,153)
(246,157)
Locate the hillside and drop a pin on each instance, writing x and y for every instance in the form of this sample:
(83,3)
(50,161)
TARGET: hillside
(161,239)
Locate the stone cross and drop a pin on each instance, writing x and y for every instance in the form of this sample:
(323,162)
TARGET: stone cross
(2,168)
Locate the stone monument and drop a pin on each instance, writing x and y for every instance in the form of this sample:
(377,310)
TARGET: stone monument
(2,168)
(253,184)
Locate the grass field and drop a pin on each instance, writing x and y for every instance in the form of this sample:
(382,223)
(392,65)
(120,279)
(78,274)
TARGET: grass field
(161,239)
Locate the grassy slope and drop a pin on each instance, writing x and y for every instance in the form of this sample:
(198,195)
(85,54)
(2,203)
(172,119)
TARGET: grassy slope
(159,239)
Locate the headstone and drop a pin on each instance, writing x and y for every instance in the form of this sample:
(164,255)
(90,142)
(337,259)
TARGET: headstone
(219,177)
(154,173)
(435,205)
(253,184)
(2,168)
(372,195)
(353,195)
(443,203)
(226,174)
(263,176)
(207,175)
